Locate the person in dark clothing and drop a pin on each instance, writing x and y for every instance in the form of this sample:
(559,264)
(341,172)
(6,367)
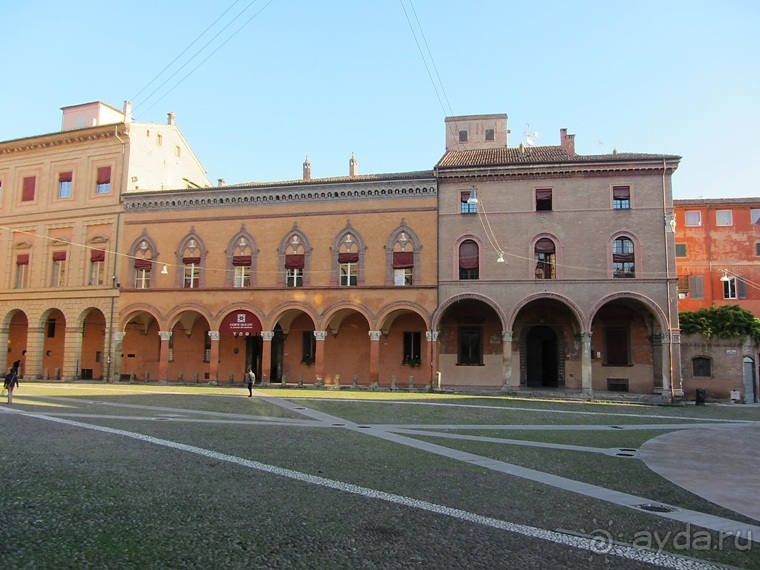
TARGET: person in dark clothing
(11,382)
(250,379)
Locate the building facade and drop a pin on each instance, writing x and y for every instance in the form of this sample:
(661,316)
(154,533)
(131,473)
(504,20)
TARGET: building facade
(327,281)
(718,253)
(60,222)
(556,270)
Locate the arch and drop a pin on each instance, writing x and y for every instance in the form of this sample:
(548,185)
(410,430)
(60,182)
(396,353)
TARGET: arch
(391,312)
(628,295)
(241,260)
(285,313)
(635,257)
(402,243)
(442,307)
(93,323)
(540,259)
(187,315)
(139,309)
(334,315)
(190,256)
(227,310)
(455,255)
(574,308)
(294,271)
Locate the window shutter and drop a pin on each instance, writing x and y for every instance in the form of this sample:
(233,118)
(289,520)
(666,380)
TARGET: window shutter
(621,192)
(741,287)
(65,177)
(294,261)
(97,255)
(696,287)
(27,194)
(143,264)
(403,259)
(104,175)
(545,245)
(468,255)
(22,259)
(238,260)
(543,194)
(348,258)
(189,260)
(59,256)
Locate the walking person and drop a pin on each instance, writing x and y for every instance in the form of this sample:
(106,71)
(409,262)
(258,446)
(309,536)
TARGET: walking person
(11,381)
(250,379)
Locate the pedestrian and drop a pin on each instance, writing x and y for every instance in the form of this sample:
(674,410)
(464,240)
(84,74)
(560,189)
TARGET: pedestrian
(11,381)
(16,366)
(250,378)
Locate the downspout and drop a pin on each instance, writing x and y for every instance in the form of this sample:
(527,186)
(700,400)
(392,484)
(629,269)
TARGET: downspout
(667,225)
(114,281)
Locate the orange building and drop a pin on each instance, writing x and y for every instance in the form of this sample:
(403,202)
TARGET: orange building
(314,280)
(718,253)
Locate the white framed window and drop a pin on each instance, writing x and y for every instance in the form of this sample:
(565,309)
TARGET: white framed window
(402,277)
(96,272)
(294,277)
(693,218)
(348,274)
(64,184)
(724,218)
(192,275)
(242,276)
(58,274)
(22,271)
(142,278)
(730,289)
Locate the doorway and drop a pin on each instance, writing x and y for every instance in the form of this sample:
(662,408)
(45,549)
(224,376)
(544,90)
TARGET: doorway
(253,346)
(542,358)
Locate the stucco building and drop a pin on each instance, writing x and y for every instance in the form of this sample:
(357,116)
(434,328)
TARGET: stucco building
(60,219)
(328,280)
(556,270)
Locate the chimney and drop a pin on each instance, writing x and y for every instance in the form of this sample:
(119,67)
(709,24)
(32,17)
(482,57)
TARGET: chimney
(567,142)
(221,181)
(170,119)
(127,111)
(306,169)
(353,167)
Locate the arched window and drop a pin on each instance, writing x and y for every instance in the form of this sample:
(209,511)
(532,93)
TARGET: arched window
(295,261)
(402,257)
(545,255)
(348,261)
(191,254)
(143,253)
(469,260)
(623,258)
(240,259)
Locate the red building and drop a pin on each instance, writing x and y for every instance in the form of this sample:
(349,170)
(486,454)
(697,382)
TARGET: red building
(718,253)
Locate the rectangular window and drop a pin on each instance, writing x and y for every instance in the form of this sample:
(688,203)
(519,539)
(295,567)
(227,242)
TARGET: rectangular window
(294,277)
(103,182)
(543,200)
(489,135)
(693,218)
(207,349)
(412,356)
(757,248)
(724,218)
(621,197)
(192,275)
(64,184)
(730,290)
(349,269)
(97,266)
(58,274)
(159,140)
(308,347)
(462,136)
(701,366)
(470,352)
(142,273)
(469,204)
(242,276)
(754,217)
(696,287)
(28,188)
(403,265)
(177,151)
(51,328)
(22,270)
(680,250)
(616,346)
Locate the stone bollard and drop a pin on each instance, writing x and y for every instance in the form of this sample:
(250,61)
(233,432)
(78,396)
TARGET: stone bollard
(300,379)
(411,383)
(337,380)
(284,381)
(147,376)
(180,378)
(393,383)
(195,377)
(232,378)
(355,383)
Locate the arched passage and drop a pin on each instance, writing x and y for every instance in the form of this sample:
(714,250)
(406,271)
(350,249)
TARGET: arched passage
(91,354)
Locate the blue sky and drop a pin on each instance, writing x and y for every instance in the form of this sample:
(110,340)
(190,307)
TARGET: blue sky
(331,78)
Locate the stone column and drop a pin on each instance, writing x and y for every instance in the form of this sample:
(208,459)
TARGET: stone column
(213,365)
(675,363)
(163,356)
(586,374)
(117,344)
(35,342)
(4,340)
(506,360)
(319,357)
(72,353)
(664,343)
(266,355)
(374,356)
(432,356)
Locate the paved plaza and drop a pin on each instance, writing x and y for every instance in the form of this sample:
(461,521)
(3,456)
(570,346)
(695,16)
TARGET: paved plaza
(313,479)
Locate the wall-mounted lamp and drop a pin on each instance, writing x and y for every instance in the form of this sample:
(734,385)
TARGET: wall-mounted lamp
(724,277)
(500,259)
(165,270)
(473,199)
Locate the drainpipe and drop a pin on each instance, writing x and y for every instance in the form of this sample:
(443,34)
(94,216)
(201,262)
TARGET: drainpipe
(115,248)
(666,225)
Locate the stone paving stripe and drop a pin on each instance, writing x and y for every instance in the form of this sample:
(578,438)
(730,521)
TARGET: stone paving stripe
(661,559)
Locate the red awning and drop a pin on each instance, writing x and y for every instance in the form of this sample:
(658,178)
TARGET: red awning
(468,255)
(104,175)
(97,255)
(238,260)
(143,264)
(348,258)
(295,261)
(240,323)
(403,259)
(59,256)
(22,259)
(189,260)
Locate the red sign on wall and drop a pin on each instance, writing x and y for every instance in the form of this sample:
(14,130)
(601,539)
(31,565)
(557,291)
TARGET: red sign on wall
(240,323)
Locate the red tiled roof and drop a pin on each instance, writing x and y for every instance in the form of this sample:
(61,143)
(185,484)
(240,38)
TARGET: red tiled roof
(535,155)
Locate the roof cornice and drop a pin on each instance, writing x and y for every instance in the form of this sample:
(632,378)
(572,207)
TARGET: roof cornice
(61,138)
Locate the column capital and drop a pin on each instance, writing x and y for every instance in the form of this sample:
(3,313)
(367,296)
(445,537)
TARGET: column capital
(165,335)
(118,336)
(586,336)
(214,335)
(267,335)
(375,335)
(507,336)
(320,335)
(431,336)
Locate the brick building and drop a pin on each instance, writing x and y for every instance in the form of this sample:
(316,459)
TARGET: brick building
(60,218)
(556,270)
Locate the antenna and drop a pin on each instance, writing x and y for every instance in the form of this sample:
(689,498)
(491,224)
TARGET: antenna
(530,138)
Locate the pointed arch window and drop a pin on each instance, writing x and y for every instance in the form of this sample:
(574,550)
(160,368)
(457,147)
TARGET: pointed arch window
(469,260)
(348,261)
(242,261)
(191,262)
(295,261)
(143,255)
(545,254)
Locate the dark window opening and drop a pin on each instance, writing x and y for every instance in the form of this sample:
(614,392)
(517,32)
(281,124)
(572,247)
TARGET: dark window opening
(616,346)
(470,353)
(680,250)
(309,347)
(462,136)
(701,366)
(490,135)
(51,328)
(544,200)
(412,355)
